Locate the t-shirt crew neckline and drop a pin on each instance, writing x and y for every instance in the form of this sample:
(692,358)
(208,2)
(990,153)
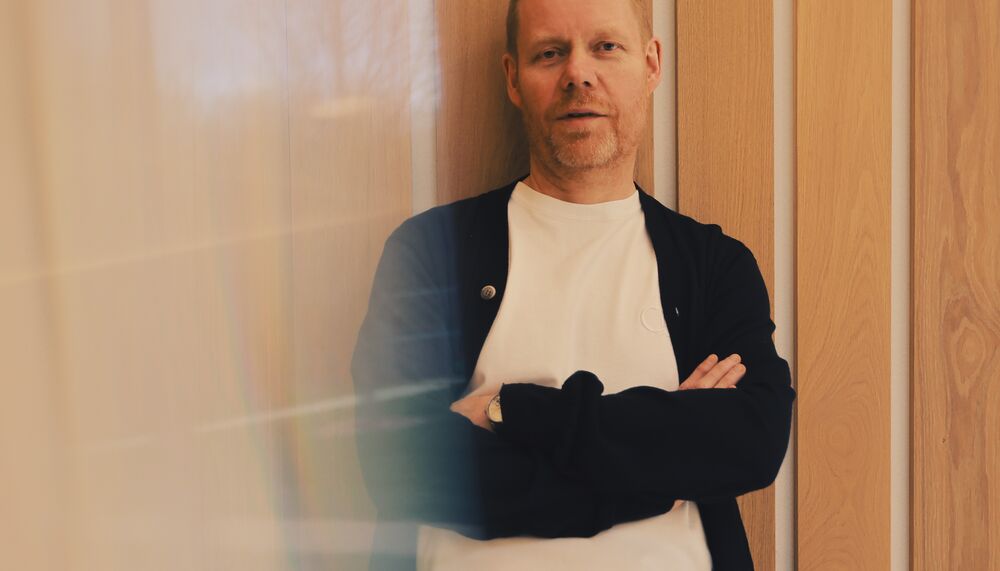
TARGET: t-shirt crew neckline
(552,206)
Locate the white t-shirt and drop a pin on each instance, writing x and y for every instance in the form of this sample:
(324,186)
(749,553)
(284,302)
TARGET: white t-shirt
(582,292)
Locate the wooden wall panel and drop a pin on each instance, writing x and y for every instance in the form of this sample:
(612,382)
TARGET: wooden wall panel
(843,163)
(480,141)
(725,107)
(956,285)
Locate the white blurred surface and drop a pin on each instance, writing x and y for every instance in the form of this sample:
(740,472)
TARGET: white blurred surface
(194,194)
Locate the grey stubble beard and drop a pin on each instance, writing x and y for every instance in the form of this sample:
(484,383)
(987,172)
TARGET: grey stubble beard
(609,150)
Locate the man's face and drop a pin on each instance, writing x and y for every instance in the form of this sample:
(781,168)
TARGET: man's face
(582,80)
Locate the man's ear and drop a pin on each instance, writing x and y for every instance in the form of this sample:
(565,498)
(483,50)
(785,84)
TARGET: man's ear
(513,85)
(654,60)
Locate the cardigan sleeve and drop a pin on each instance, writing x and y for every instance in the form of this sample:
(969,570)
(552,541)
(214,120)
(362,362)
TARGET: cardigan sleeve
(422,462)
(699,444)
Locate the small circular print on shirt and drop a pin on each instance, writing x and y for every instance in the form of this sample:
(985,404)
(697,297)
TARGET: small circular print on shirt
(652,319)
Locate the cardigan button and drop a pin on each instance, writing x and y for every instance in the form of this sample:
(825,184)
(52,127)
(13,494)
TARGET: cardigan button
(488,292)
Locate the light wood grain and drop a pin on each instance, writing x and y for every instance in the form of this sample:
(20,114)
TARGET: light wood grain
(956,285)
(726,156)
(843,130)
(480,140)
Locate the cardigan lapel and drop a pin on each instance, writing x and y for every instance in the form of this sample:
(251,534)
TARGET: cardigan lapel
(486,258)
(675,299)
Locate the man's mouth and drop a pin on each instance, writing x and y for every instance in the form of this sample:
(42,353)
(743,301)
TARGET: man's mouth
(579,114)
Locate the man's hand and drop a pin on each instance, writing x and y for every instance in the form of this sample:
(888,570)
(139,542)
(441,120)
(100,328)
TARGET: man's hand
(715,374)
(473,407)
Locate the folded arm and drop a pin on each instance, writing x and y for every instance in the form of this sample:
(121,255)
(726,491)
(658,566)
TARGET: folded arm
(701,444)
(423,462)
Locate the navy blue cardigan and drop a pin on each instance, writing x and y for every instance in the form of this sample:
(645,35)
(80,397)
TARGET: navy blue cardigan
(568,462)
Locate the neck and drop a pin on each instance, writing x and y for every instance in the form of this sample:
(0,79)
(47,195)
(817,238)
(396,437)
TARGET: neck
(587,186)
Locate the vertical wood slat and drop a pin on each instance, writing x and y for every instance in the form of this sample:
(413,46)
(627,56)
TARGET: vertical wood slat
(481,143)
(955,276)
(843,164)
(726,155)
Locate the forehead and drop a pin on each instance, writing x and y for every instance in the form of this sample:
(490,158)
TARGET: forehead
(567,18)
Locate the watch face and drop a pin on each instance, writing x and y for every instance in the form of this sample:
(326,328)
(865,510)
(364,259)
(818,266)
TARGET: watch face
(493,410)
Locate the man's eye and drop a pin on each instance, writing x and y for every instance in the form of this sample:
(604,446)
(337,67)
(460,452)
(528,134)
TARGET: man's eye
(608,46)
(548,54)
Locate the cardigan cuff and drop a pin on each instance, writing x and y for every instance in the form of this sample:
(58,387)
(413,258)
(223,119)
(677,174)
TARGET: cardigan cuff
(547,418)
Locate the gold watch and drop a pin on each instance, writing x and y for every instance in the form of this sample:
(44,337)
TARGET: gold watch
(493,411)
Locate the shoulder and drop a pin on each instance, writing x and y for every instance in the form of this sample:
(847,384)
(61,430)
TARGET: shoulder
(456,216)
(451,216)
(704,242)
(449,234)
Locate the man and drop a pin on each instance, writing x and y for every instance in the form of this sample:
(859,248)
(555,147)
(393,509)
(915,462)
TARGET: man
(520,361)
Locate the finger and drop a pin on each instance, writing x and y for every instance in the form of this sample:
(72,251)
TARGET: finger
(700,371)
(729,380)
(704,367)
(718,371)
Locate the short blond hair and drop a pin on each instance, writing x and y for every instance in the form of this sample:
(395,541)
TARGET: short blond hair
(640,8)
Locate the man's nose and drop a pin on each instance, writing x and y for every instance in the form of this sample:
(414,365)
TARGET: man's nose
(578,72)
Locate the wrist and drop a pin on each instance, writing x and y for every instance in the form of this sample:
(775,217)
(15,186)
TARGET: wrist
(494,413)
